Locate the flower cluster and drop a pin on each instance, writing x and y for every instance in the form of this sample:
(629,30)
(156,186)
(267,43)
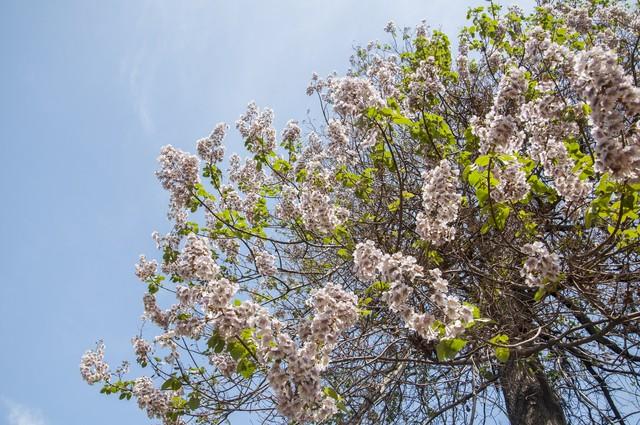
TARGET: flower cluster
(613,98)
(440,203)
(157,403)
(369,262)
(195,260)
(93,368)
(145,269)
(298,387)
(141,348)
(424,82)
(265,263)
(352,95)
(512,183)
(385,73)
(338,141)
(179,173)
(210,149)
(287,208)
(541,267)
(291,132)
(153,312)
(247,176)
(498,131)
(318,212)
(256,128)
(546,146)
(225,364)
(334,312)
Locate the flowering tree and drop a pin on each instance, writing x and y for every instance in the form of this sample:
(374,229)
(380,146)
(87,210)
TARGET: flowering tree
(458,240)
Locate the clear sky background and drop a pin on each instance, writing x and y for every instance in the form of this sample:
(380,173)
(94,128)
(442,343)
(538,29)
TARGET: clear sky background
(89,92)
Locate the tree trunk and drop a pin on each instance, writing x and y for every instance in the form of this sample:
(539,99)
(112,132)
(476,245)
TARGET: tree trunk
(529,398)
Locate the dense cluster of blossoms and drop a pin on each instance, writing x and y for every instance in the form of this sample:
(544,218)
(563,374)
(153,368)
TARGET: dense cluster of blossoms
(385,73)
(396,269)
(318,212)
(440,203)
(294,371)
(145,268)
(338,142)
(210,149)
(613,99)
(298,386)
(93,368)
(498,130)
(291,132)
(352,95)
(512,183)
(195,260)
(424,82)
(247,176)
(541,267)
(155,402)
(265,263)
(225,364)
(256,127)
(546,146)
(179,173)
(142,349)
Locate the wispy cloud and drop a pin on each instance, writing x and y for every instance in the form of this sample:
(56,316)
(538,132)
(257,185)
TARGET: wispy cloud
(139,67)
(19,414)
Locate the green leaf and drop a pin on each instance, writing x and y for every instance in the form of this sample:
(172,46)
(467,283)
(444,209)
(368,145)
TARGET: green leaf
(393,206)
(449,348)
(331,393)
(540,293)
(474,309)
(246,368)
(502,353)
(344,254)
(194,401)
(178,402)
(216,343)
(483,160)
(236,350)
(172,383)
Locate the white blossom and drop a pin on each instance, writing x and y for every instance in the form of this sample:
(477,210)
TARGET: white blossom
(145,269)
(256,128)
(265,263)
(612,97)
(195,260)
(210,149)
(141,348)
(353,95)
(440,203)
(93,368)
(512,183)
(179,173)
(541,267)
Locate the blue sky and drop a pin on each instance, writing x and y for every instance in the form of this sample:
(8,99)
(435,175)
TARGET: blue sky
(89,92)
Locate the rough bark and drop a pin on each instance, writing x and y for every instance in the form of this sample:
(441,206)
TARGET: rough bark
(530,400)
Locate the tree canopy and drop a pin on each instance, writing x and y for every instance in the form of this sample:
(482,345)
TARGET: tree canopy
(454,241)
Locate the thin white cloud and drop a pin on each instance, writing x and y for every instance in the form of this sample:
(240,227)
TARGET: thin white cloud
(19,414)
(139,67)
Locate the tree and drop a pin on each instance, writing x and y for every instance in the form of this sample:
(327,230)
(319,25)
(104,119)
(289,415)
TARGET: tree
(457,241)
